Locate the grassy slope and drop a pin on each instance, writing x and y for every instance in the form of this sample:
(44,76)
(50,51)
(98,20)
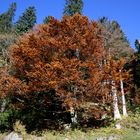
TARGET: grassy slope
(130,131)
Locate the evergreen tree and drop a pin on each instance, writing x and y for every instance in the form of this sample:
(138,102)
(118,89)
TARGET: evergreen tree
(7,18)
(72,7)
(46,20)
(136,72)
(137,45)
(136,64)
(26,21)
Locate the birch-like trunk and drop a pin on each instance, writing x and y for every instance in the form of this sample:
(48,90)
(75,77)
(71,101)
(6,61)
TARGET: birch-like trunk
(115,102)
(123,96)
(73,117)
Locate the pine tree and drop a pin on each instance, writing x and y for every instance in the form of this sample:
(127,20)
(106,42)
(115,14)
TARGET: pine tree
(7,18)
(72,7)
(46,20)
(137,45)
(136,64)
(26,21)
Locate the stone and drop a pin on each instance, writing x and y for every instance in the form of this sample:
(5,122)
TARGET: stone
(13,136)
(118,126)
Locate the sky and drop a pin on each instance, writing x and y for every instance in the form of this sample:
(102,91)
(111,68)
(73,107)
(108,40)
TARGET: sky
(126,12)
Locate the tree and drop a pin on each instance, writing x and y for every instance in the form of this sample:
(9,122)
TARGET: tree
(26,21)
(137,45)
(134,65)
(122,76)
(72,7)
(62,67)
(116,76)
(125,78)
(6,19)
(58,64)
(115,40)
(5,41)
(110,69)
(46,20)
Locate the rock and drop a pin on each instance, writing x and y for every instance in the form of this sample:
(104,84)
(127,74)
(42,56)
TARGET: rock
(66,139)
(67,126)
(39,138)
(13,136)
(107,138)
(118,126)
(101,138)
(111,138)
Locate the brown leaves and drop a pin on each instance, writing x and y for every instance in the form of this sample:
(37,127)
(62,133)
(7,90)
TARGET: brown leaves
(11,85)
(64,56)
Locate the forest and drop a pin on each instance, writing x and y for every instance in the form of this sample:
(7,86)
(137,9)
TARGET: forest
(68,75)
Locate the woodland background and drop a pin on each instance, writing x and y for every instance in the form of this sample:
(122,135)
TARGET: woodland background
(70,71)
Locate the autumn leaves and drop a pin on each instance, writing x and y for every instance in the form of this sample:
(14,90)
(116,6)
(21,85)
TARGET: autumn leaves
(67,56)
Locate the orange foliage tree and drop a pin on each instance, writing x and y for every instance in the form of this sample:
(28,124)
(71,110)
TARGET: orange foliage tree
(62,55)
(60,60)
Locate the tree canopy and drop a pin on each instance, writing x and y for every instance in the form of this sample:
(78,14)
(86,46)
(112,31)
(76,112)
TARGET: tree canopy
(72,7)
(6,19)
(26,21)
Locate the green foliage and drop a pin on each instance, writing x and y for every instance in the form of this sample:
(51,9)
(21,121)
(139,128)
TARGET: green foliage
(132,136)
(127,133)
(8,115)
(6,19)
(137,45)
(134,65)
(7,119)
(72,7)
(46,20)
(131,122)
(4,117)
(26,21)
(5,41)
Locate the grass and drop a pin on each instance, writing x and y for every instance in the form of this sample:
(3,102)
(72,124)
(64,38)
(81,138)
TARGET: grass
(90,135)
(124,134)
(130,131)
(80,135)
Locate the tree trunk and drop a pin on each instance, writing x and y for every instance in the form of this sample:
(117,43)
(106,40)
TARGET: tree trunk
(73,117)
(72,110)
(123,96)
(115,102)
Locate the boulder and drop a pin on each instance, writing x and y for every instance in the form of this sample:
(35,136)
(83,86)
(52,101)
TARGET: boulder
(13,136)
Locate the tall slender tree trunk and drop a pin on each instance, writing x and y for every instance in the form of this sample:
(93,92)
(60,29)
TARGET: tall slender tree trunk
(73,117)
(123,96)
(115,102)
